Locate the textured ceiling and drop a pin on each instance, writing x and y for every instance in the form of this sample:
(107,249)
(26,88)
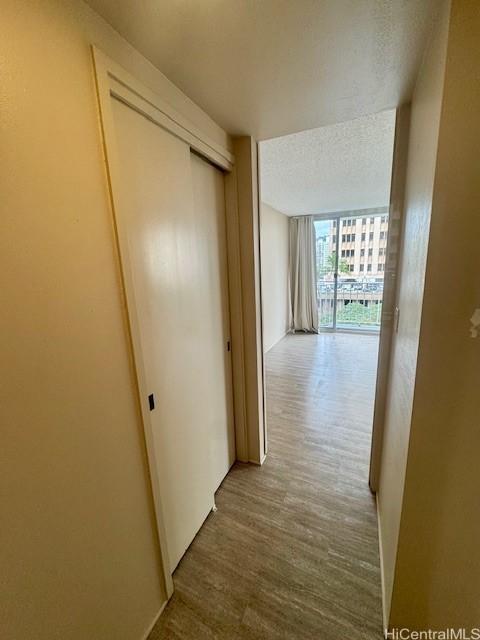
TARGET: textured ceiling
(334,168)
(271,67)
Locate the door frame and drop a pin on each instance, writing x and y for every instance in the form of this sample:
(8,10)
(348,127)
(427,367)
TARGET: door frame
(390,292)
(113,81)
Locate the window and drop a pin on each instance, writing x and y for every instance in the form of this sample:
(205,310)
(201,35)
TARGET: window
(353,237)
(382,235)
(351,267)
(344,237)
(370,235)
(364,221)
(363,236)
(334,239)
(369,267)
(362,267)
(384,218)
(348,237)
(344,223)
(381,267)
(352,252)
(362,252)
(370,252)
(343,253)
(381,251)
(372,220)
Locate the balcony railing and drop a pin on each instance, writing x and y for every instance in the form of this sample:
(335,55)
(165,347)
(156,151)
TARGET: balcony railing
(359,303)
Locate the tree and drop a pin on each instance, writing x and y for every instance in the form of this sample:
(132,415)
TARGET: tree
(342,263)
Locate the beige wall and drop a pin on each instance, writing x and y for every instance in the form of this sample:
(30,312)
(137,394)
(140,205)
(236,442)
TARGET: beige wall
(428,503)
(78,543)
(437,582)
(274,227)
(425,117)
(395,216)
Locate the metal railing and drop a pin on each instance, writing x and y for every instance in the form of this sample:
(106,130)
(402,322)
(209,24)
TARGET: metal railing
(359,302)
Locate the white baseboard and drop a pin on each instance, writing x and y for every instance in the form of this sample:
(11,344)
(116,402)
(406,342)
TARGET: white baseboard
(262,460)
(154,621)
(275,343)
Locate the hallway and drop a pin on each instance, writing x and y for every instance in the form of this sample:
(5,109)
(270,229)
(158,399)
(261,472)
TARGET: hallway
(292,551)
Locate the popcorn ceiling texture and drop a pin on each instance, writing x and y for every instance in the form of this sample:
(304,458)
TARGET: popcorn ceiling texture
(335,168)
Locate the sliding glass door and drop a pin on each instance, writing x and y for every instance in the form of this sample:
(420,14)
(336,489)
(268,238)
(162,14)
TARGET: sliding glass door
(326,251)
(351,257)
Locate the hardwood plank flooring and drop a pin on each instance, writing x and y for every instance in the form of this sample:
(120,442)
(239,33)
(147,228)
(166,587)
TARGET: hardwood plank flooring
(292,552)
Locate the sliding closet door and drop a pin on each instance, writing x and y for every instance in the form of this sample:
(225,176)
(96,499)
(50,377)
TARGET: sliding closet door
(168,271)
(213,313)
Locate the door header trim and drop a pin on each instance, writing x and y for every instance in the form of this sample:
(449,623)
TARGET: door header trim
(120,84)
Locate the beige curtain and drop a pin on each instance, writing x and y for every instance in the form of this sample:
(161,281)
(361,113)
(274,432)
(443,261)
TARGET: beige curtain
(302,292)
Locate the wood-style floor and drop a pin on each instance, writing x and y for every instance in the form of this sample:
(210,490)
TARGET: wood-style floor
(292,551)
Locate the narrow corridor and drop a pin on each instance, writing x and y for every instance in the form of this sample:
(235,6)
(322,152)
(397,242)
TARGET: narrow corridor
(292,551)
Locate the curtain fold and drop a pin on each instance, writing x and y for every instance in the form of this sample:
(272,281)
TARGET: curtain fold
(302,289)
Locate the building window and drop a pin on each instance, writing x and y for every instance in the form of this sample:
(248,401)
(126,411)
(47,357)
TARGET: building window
(351,267)
(381,251)
(364,221)
(372,220)
(381,267)
(362,252)
(334,239)
(348,237)
(353,237)
(363,236)
(369,267)
(370,252)
(362,267)
(344,237)
(344,223)
(370,235)
(384,218)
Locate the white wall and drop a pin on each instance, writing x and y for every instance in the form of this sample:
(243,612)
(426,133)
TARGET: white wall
(274,227)
(79,550)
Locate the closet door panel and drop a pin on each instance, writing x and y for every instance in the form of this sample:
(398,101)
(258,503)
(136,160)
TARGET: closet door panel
(213,314)
(167,265)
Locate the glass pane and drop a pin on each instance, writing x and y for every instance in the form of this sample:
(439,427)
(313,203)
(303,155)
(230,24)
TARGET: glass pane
(325,239)
(361,269)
